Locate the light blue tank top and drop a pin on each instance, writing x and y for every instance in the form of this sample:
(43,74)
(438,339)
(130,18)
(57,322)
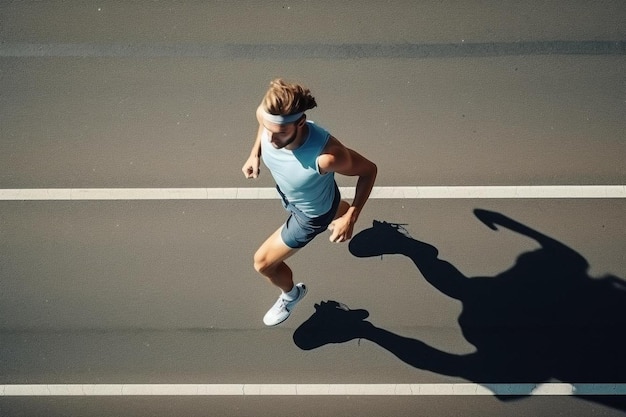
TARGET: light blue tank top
(297,174)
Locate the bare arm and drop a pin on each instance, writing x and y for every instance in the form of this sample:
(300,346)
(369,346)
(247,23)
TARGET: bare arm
(252,165)
(337,158)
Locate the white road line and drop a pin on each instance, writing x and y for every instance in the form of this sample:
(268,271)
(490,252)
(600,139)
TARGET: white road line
(464,389)
(417,192)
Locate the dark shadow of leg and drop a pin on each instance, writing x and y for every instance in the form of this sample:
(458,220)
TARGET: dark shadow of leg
(333,322)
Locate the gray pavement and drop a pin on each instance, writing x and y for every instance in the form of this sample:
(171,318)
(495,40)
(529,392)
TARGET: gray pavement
(162,94)
(354,406)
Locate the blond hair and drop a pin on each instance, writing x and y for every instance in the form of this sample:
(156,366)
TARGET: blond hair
(284,98)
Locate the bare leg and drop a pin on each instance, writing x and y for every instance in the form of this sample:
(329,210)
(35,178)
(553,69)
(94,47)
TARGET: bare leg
(269,258)
(269,261)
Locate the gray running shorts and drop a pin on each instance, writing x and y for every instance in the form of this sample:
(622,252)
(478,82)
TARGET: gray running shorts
(299,229)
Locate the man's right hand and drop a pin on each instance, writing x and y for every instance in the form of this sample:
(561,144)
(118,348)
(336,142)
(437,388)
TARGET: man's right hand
(251,167)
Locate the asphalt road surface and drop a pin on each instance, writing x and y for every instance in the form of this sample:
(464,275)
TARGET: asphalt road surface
(144,294)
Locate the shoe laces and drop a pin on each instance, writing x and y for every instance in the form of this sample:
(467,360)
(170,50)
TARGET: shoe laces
(281,304)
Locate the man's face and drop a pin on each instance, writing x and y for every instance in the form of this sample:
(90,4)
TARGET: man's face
(281,135)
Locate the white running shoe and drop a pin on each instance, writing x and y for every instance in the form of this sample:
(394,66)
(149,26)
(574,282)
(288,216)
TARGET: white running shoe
(281,309)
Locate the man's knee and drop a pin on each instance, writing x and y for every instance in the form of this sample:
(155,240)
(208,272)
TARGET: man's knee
(270,256)
(262,264)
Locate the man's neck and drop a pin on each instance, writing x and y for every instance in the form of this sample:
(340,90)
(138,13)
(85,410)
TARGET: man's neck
(301,137)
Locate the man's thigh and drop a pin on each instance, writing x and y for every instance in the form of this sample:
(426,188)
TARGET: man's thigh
(274,250)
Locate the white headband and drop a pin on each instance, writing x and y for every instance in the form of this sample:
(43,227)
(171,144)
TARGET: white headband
(280,119)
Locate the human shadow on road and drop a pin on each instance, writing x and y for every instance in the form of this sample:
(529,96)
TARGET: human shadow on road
(543,319)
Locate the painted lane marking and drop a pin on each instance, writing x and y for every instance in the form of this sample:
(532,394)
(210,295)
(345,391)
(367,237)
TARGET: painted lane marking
(463,389)
(417,192)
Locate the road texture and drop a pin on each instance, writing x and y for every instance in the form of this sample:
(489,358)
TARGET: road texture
(160,94)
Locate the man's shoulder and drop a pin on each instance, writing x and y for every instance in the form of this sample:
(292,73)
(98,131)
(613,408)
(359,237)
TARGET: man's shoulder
(319,133)
(313,125)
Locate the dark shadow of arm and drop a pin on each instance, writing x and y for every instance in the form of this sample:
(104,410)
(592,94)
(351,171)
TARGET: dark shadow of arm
(389,238)
(493,219)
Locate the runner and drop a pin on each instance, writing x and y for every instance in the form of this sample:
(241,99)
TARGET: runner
(302,158)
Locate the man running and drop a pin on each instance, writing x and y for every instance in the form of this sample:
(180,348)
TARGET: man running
(302,158)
